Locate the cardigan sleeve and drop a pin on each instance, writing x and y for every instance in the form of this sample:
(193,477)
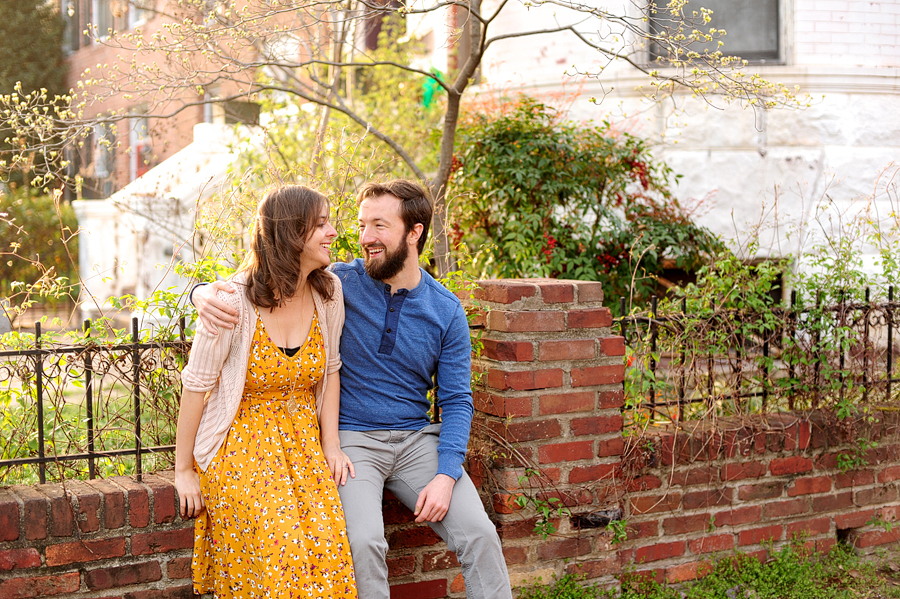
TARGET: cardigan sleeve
(335,310)
(209,352)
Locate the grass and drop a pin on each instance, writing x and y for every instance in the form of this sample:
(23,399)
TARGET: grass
(792,573)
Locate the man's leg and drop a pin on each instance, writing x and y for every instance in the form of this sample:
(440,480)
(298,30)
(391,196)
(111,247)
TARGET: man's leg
(466,528)
(372,458)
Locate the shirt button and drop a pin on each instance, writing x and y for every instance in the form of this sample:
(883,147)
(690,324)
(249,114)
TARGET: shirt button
(391,310)
(388,330)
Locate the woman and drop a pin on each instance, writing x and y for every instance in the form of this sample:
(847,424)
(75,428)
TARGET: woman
(265,441)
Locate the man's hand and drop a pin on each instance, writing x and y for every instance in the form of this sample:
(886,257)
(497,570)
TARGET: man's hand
(212,311)
(434,500)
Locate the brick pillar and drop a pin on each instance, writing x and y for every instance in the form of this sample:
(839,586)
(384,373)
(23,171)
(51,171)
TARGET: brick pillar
(550,398)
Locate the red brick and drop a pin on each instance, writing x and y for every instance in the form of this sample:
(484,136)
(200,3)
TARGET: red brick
(642,530)
(525,380)
(572,547)
(179,567)
(401,566)
(113,503)
(643,483)
(395,512)
(694,476)
(873,538)
(183,592)
(85,551)
(708,498)
(612,346)
(518,529)
(567,349)
(9,516)
(854,479)
(557,293)
(120,576)
(831,503)
(827,461)
(138,501)
(162,541)
(738,516)
(427,589)
(680,525)
(594,318)
(518,432)
(40,586)
(503,291)
(653,553)
(756,536)
(507,351)
(715,543)
(879,494)
(459,584)
(590,291)
(420,536)
(563,403)
(565,452)
(766,490)
(503,407)
(816,526)
(587,474)
(611,447)
(687,572)
(804,432)
(743,470)
(889,474)
(164,501)
(782,509)
(595,568)
(792,465)
(655,503)
(597,425)
(62,513)
(853,519)
(537,322)
(810,485)
(35,507)
(15,559)
(515,555)
(439,560)
(598,375)
(89,501)
(610,399)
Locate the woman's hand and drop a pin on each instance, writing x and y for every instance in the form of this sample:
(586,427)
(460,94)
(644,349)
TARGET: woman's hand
(339,464)
(190,497)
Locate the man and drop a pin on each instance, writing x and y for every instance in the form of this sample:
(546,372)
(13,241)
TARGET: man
(404,333)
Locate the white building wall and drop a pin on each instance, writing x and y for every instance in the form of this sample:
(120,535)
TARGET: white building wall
(844,53)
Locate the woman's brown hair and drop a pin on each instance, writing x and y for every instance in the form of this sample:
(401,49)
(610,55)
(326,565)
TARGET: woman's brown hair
(284,220)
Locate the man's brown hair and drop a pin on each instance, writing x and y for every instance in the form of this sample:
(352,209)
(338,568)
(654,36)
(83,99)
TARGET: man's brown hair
(284,220)
(415,203)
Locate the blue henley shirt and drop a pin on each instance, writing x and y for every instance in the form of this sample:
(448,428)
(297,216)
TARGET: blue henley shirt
(397,346)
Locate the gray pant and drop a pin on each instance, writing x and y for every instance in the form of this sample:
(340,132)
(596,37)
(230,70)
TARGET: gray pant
(404,462)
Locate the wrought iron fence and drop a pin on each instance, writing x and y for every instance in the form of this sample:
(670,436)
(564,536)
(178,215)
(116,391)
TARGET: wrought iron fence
(730,361)
(111,406)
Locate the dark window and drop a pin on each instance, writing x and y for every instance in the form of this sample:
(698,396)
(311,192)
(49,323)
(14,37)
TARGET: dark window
(752,28)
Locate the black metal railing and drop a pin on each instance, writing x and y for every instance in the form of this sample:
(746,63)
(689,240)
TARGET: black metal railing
(94,390)
(800,357)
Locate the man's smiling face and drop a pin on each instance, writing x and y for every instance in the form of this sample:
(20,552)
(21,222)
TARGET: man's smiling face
(382,236)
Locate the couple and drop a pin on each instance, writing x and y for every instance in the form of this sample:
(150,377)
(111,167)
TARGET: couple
(307,384)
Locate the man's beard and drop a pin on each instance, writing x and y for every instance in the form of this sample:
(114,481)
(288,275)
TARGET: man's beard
(389,265)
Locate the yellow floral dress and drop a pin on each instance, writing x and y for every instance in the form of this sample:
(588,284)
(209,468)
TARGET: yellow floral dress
(273,525)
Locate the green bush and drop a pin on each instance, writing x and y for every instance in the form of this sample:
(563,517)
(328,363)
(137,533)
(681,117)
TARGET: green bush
(38,248)
(540,196)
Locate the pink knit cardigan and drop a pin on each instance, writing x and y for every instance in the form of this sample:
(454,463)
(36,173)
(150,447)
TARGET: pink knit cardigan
(218,364)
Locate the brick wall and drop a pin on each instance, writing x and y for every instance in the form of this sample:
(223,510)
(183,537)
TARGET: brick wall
(101,538)
(548,424)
